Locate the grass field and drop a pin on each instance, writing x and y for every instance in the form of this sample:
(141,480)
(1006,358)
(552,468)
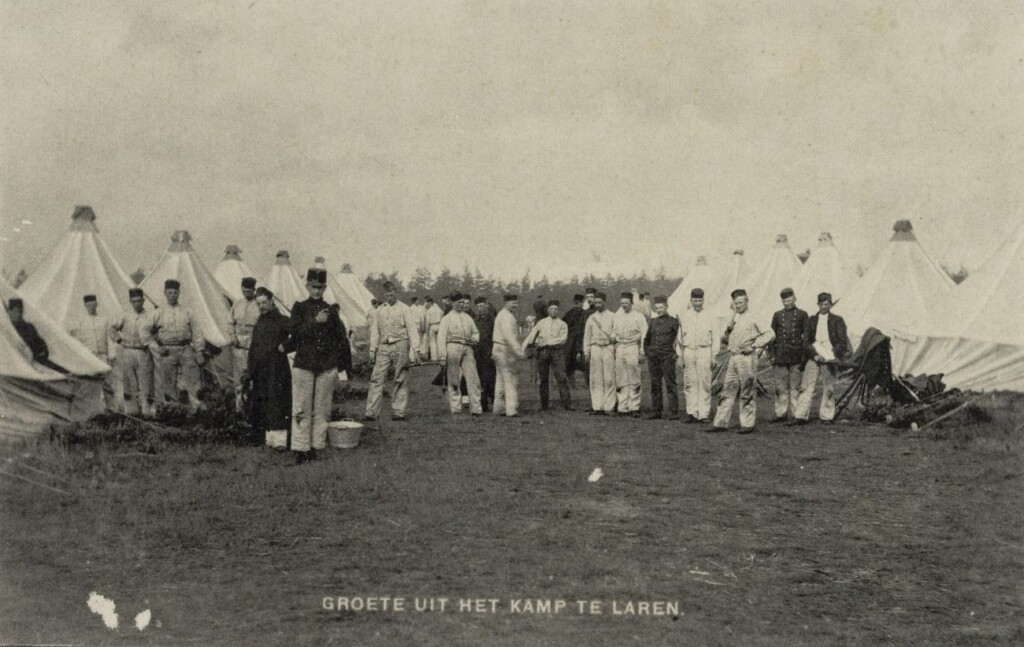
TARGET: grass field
(854,533)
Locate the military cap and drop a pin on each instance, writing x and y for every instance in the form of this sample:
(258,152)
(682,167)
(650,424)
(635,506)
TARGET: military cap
(249,283)
(511,297)
(786,293)
(600,295)
(824,296)
(480,300)
(89,298)
(590,291)
(172,284)
(554,302)
(696,293)
(738,293)
(428,299)
(660,299)
(135,292)
(316,276)
(627,295)
(577,297)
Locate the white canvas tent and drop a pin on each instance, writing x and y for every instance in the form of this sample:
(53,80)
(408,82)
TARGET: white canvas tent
(349,311)
(974,335)
(778,270)
(200,292)
(901,287)
(699,276)
(736,276)
(824,271)
(230,272)
(356,296)
(286,284)
(80,264)
(33,396)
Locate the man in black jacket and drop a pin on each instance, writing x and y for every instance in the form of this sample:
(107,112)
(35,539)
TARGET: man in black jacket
(575,319)
(484,316)
(321,348)
(825,342)
(660,348)
(789,325)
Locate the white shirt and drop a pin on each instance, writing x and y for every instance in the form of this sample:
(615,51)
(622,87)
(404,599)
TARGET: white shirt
(548,332)
(628,327)
(392,323)
(506,330)
(696,330)
(456,328)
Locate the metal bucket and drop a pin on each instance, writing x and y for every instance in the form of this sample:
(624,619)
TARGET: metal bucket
(344,434)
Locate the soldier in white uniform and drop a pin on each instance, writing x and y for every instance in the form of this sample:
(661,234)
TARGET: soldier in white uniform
(506,353)
(134,358)
(699,346)
(243,316)
(174,336)
(599,350)
(629,328)
(456,336)
(394,340)
(95,333)
(745,339)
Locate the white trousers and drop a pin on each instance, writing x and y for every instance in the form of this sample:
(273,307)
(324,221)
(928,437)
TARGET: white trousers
(829,376)
(311,407)
(506,383)
(602,378)
(697,381)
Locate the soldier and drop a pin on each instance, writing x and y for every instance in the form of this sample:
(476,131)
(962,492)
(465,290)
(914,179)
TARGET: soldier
(628,330)
(456,337)
(321,347)
(660,347)
(134,358)
(825,341)
(431,320)
(744,340)
(394,341)
(174,336)
(419,318)
(484,317)
(788,357)
(95,334)
(506,352)
(550,335)
(243,316)
(700,345)
(599,351)
(28,333)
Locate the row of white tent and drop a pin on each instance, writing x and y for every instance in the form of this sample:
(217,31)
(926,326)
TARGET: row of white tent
(80,264)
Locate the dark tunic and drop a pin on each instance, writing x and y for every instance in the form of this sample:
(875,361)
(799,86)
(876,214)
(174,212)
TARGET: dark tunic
(318,347)
(575,319)
(661,336)
(789,327)
(270,395)
(485,366)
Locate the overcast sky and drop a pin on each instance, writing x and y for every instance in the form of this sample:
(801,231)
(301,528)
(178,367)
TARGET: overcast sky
(510,135)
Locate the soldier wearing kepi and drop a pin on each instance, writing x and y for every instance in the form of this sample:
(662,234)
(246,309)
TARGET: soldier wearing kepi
(745,339)
(456,337)
(628,330)
(660,348)
(825,342)
(243,316)
(599,350)
(95,333)
(506,352)
(549,335)
(320,343)
(788,325)
(394,342)
(134,358)
(173,334)
(700,345)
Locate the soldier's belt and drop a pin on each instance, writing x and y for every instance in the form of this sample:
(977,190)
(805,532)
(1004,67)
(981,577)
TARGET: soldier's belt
(135,347)
(176,344)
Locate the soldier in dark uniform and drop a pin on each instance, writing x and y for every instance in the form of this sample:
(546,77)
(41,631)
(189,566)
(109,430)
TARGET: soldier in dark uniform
(575,319)
(484,316)
(321,346)
(28,333)
(660,348)
(789,325)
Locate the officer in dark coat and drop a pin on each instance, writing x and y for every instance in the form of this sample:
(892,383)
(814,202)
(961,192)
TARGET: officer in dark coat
(789,325)
(269,378)
(484,316)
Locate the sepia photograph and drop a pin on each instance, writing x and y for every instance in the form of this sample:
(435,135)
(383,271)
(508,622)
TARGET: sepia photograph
(511,322)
